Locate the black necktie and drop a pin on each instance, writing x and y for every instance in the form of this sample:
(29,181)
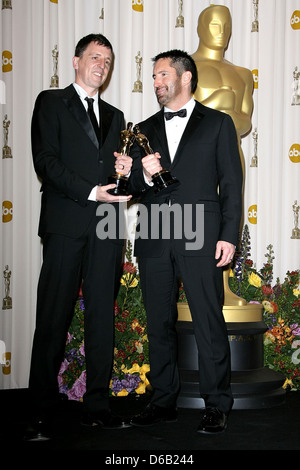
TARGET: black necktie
(180,113)
(92,115)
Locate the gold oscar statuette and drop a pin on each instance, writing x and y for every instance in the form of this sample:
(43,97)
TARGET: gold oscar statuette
(54,79)
(254,159)
(6,4)
(121,181)
(180,18)
(6,150)
(7,302)
(255,24)
(296,229)
(138,86)
(163,180)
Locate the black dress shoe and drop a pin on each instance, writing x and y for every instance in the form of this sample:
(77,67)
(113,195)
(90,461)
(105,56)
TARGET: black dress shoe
(104,419)
(155,414)
(213,421)
(38,430)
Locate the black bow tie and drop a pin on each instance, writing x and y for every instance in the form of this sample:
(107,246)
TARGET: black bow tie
(180,113)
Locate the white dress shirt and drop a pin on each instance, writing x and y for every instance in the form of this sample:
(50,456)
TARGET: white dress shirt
(176,126)
(82,95)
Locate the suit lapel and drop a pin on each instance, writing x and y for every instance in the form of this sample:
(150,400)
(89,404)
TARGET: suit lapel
(76,107)
(106,116)
(191,127)
(160,132)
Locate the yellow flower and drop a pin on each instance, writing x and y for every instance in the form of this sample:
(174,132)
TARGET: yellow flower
(122,393)
(269,338)
(288,382)
(134,324)
(141,388)
(139,347)
(134,282)
(143,371)
(254,280)
(134,368)
(145,368)
(124,279)
(268,306)
(129,280)
(296,292)
(231,273)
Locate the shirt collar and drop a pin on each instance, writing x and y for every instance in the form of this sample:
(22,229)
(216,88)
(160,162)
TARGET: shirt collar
(189,106)
(83,94)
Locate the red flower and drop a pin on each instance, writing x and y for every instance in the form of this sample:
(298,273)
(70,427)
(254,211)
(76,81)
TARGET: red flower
(267,290)
(116,309)
(129,268)
(121,326)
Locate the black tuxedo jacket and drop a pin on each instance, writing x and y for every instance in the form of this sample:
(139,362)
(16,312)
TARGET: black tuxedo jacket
(207,164)
(69,158)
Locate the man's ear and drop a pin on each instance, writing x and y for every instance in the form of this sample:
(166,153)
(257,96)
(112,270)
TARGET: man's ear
(75,62)
(186,77)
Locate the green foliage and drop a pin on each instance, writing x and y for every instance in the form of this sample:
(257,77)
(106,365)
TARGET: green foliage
(281,314)
(281,308)
(131,353)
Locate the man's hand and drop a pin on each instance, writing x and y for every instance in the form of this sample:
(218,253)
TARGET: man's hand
(225,251)
(103,196)
(123,164)
(151,165)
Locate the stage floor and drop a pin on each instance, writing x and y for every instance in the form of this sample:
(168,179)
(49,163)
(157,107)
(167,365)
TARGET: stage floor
(274,428)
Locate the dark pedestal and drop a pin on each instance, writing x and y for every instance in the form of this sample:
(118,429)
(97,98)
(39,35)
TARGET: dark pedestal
(253,385)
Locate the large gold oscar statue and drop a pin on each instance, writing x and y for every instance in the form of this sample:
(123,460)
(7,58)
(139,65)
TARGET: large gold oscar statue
(228,88)
(223,86)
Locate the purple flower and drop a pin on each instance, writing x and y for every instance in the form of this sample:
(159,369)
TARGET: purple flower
(295,329)
(79,387)
(129,383)
(81,350)
(116,385)
(277,290)
(63,367)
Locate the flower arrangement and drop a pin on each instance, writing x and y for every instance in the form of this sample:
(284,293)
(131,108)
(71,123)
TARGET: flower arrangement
(72,376)
(131,353)
(131,358)
(281,309)
(281,314)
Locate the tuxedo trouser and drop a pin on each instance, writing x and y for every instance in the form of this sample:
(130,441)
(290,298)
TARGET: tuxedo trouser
(66,263)
(203,284)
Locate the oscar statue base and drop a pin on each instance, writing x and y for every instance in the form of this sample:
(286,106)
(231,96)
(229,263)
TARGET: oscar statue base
(164,181)
(121,183)
(7,303)
(295,233)
(137,87)
(6,152)
(54,81)
(253,385)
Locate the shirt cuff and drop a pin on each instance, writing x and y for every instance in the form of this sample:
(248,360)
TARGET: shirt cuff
(92,196)
(147,181)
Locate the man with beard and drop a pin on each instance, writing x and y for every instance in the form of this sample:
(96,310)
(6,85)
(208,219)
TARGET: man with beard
(199,147)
